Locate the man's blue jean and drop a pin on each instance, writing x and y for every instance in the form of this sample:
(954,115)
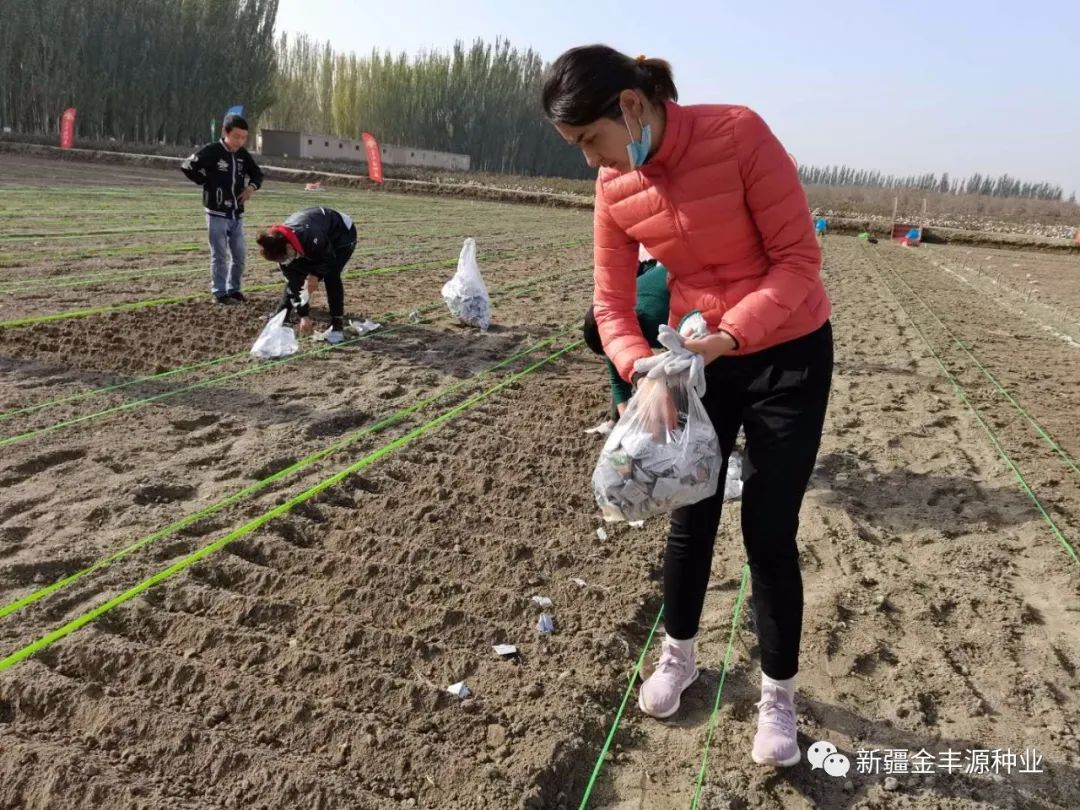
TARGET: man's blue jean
(226,236)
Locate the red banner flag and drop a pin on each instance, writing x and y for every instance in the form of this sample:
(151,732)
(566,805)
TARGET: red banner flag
(374,157)
(67,128)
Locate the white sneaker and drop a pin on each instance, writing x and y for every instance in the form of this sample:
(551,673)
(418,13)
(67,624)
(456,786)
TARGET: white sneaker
(776,742)
(660,695)
(331,335)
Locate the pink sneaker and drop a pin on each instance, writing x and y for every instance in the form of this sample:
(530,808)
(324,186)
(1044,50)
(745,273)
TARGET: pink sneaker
(776,742)
(660,694)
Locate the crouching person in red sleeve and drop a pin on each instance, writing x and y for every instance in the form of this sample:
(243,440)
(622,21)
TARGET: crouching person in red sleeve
(315,242)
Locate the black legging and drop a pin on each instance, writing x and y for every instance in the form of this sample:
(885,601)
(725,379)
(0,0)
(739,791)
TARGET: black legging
(778,396)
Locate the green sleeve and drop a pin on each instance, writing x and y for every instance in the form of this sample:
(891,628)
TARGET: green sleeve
(652,311)
(653,302)
(621,390)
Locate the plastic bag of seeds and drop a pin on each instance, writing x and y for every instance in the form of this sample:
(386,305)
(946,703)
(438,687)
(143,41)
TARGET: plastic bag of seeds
(276,339)
(466,294)
(663,453)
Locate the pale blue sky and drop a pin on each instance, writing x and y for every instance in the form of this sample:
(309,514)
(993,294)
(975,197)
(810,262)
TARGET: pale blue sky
(927,86)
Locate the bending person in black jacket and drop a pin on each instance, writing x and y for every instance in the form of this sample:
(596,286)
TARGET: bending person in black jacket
(228,176)
(313,242)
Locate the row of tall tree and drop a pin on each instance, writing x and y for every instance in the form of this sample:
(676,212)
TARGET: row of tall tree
(1001,186)
(482,100)
(149,71)
(137,70)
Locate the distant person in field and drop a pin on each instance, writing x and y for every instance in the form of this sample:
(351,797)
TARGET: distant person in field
(821,225)
(315,243)
(711,193)
(229,176)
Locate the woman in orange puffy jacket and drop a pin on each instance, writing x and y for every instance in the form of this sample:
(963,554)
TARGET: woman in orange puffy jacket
(711,193)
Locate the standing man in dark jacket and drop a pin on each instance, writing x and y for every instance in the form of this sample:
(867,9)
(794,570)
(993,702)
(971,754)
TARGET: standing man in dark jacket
(228,176)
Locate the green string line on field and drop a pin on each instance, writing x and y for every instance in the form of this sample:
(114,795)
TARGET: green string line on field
(217,361)
(598,766)
(249,527)
(388,421)
(257,369)
(156,302)
(1070,550)
(1065,456)
(720,688)
(106,277)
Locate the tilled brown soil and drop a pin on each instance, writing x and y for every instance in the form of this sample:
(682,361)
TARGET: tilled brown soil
(941,609)
(304,662)
(1050,277)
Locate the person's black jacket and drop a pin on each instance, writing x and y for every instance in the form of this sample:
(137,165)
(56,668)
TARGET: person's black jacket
(327,238)
(223,176)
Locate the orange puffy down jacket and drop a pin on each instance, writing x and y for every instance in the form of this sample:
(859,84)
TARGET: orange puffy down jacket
(721,206)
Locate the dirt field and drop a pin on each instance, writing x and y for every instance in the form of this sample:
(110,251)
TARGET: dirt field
(261,577)
(1046,280)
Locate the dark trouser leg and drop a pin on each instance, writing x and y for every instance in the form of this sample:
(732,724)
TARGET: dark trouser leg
(783,415)
(689,551)
(335,290)
(335,298)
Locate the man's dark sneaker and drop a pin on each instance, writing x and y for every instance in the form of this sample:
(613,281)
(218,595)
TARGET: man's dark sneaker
(228,300)
(236,295)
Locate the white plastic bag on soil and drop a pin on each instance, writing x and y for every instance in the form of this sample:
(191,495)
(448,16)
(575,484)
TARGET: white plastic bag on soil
(276,339)
(656,459)
(361,328)
(733,482)
(465,294)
